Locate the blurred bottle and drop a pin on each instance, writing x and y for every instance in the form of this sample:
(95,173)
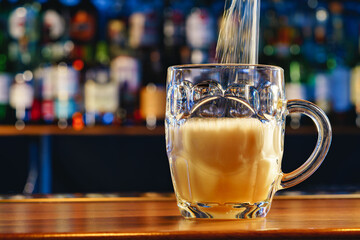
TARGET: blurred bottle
(341,101)
(117,32)
(145,38)
(107,92)
(103,8)
(5,76)
(288,56)
(66,86)
(355,81)
(125,73)
(152,104)
(201,33)
(124,66)
(45,76)
(355,92)
(101,97)
(23,27)
(21,97)
(82,17)
(55,43)
(36,113)
(300,66)
(78,46)
(175,49)
(4,36)
(102,58)
(322,79)
(144,24)
(5,80)
(340,72)
(296,88)
(322,91)
(152,94)
(54,48)
(268,40)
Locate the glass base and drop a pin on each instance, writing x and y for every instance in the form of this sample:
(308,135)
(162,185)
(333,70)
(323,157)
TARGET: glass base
(223,211)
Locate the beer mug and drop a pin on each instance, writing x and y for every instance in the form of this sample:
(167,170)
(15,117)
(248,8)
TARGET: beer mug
(225,127)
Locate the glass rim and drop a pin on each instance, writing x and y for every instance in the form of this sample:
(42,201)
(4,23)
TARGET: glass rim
(222,65)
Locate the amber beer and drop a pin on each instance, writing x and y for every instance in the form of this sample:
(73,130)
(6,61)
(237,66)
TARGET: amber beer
(220,161)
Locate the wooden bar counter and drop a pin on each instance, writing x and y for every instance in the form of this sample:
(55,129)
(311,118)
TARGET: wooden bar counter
(157,217)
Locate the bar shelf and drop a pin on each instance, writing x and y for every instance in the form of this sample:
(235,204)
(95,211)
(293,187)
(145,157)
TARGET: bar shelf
(40,130)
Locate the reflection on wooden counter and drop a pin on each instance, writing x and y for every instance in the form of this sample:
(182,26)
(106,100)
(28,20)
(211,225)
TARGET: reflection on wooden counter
(153,217)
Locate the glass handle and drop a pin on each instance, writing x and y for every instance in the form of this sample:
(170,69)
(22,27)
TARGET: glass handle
(322,145)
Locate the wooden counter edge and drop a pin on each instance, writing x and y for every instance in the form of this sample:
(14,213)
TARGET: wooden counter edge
(168,198)
(288,234)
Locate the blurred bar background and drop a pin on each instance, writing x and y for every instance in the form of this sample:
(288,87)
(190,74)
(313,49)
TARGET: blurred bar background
(77,65)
